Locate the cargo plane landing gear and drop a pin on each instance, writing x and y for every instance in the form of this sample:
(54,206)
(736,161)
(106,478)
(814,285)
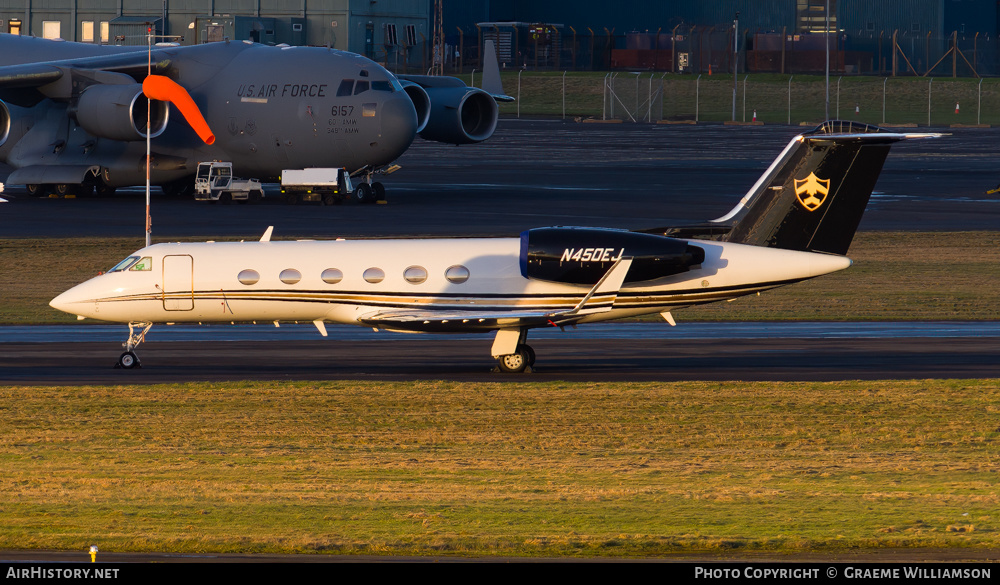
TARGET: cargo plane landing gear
(128,360)
(512,353)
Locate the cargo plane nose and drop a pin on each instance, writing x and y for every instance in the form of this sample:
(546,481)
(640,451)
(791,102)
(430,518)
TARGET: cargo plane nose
(399,126)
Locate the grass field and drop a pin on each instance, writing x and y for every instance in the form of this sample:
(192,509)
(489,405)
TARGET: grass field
(527,469)
(896,276)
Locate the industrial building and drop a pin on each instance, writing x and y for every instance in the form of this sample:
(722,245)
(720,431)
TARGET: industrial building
(386,30)
(671,35)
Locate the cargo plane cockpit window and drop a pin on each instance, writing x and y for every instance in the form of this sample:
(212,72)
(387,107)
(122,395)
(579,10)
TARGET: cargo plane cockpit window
(346,87)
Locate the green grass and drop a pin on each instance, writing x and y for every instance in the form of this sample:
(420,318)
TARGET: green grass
(896,276)
(526,469)
(777,99)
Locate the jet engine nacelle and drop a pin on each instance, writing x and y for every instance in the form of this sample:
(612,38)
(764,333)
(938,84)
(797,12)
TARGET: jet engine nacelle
(4,122)
(118,112)
(460,115)
(421,102)
(584,255)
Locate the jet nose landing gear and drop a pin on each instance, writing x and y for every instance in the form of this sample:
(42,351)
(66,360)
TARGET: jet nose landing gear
(128,360)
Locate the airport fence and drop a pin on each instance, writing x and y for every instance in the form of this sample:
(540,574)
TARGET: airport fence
(703,49)
(767,98)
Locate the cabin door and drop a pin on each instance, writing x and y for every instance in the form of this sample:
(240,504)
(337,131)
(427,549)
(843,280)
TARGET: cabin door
(178,283)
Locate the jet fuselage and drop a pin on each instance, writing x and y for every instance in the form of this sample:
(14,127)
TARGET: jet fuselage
(353,281)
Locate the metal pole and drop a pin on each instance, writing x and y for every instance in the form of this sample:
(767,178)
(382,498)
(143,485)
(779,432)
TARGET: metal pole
(886,80)
(649,100)
(745,97)
(790,100)
(604,97)
(838,97)
(736,55)
(564,95)
(979,108)
(827,111)
(697,96)
(637,76)
(519,92)
(929,101)
(149,105)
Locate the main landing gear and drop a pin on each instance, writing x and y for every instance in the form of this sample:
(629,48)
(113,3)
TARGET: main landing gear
(522,360)
(128,360)
(512,353)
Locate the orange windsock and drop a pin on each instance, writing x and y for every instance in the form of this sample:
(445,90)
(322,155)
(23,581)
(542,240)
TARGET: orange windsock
(158,87)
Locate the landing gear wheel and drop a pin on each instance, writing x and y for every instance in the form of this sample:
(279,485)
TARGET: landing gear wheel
(34,190)
(62,190)
(519,361)
(378,190)
(363,193)
(530,352)
(128,360)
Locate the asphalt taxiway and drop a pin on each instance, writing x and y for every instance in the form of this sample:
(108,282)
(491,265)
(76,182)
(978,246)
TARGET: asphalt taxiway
(598,352)
(539,173)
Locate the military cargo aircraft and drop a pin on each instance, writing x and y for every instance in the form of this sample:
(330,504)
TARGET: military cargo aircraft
(795,223)
(73,116)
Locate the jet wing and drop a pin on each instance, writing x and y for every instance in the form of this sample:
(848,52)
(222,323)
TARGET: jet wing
(600,299)
(27,84)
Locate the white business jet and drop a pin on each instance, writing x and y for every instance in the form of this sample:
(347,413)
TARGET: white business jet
(795,223)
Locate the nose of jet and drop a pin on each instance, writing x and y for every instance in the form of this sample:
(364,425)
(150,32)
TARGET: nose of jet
(399,125)
(68,302)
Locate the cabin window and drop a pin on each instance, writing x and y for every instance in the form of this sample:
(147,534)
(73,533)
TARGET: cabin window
(457,274)
(142,265)
(374,275)
(248,276)
(332,276)
(290,276)
(415,274)
(345,87)
(125,264)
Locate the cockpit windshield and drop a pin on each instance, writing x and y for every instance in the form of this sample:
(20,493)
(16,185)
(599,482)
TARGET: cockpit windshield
(134,264)
(124,264)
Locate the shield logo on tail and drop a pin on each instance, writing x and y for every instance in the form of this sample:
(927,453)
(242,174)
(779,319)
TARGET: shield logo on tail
(811,191)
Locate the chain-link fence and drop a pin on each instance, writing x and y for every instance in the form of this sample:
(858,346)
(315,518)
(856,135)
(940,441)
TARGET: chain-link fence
(772,99)
(710,49)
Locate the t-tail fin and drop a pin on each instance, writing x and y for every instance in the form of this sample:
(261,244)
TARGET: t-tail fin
(813,195)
